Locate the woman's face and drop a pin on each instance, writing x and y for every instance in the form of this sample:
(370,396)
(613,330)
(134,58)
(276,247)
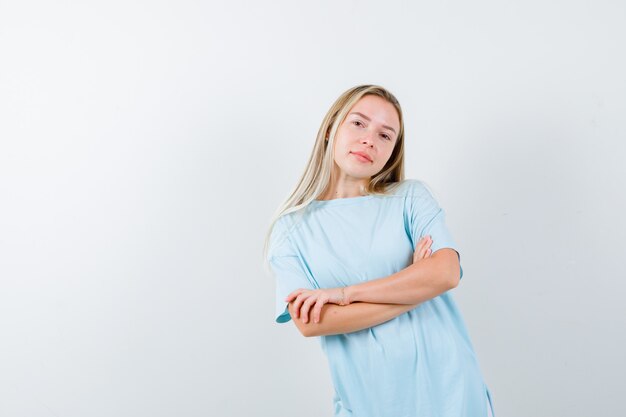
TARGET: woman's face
(370,128)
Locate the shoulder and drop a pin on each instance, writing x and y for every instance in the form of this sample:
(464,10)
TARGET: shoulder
(419,195)
(410,187)
(280,243)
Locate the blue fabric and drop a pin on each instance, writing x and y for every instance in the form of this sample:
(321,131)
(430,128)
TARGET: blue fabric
(421,363)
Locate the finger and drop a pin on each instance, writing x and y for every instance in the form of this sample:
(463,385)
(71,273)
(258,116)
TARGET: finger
(293,294)
(317,310)
(418,248)
(420,251)
(304,313)
(298,301)
(425,243)
(423,249)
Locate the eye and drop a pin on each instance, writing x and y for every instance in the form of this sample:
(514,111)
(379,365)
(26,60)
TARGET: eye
(386,136)
(356,121)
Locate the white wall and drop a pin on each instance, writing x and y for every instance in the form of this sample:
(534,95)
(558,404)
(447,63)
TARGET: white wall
(144,146)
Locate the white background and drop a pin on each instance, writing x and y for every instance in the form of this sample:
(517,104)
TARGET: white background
(145,145)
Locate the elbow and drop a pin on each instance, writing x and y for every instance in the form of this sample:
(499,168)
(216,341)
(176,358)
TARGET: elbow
(309,329)
(305,328)
(304,331)
(302,328)
(454,276)
(450,267)
(454,282)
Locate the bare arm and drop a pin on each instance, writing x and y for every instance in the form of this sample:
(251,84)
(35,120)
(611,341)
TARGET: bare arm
(336,319)
(425,279)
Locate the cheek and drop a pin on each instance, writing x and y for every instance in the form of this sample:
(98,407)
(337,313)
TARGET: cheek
(387,153)
(339,151)
(341,145)
(342,137)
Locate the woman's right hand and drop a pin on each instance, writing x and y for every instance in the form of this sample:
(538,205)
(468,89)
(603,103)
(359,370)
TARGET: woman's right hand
(423,249)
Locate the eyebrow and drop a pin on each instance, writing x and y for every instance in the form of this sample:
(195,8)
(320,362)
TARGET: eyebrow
(369,120)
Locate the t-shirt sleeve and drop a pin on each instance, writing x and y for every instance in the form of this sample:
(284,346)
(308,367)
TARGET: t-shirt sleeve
(426,217)
(287,269)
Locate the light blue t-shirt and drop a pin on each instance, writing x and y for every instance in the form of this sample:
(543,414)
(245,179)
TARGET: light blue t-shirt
(418,364)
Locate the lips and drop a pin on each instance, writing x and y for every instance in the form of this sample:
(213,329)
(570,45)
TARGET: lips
(364,155)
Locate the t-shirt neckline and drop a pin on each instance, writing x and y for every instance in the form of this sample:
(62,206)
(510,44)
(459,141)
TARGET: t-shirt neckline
(341,201)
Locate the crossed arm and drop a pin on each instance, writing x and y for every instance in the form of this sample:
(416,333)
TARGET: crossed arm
(377,301)
(336,319)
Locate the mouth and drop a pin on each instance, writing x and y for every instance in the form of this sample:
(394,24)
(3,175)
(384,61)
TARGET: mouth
(361,157)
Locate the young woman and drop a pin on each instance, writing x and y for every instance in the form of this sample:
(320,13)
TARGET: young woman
(363,259)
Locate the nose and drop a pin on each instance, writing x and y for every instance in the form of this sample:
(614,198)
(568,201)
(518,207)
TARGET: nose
(367,139)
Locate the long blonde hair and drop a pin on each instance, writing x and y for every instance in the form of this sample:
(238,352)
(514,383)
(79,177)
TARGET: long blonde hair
(319,169)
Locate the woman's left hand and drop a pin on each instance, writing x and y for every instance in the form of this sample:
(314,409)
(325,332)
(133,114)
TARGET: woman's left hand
(319,297)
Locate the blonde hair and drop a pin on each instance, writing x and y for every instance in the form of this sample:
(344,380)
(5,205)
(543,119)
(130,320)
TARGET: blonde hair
(319,170)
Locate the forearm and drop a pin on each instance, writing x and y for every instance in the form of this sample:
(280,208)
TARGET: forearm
(420,281)
(336,319)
